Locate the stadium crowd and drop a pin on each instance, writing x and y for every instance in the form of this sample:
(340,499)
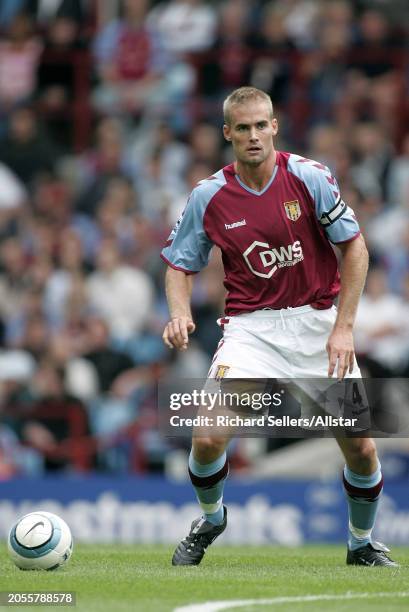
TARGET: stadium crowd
(109,115)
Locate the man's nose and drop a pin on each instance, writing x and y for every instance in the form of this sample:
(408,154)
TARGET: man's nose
(253,134)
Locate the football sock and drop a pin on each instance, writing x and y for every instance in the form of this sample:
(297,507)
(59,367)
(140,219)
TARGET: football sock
(208,481)
(363,494)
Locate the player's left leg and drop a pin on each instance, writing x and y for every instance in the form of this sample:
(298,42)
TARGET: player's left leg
(363,483)
(208,470)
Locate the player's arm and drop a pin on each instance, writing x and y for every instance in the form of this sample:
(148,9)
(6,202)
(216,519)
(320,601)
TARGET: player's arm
(353,270)
(178,293)
(342,229)
(186,252)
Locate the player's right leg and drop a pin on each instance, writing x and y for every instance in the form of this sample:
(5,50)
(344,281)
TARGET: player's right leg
(208,470)
(242,354)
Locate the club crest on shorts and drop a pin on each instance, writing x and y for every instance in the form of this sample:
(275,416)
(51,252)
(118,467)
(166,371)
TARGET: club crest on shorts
(292,210)
(221,371)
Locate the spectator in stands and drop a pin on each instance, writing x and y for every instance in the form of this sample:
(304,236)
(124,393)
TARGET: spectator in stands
(324,143)
(36,336)
(396,260)
(14,278)
(122,387)
(382,327)
(325,70)
(56,78)
(16,370)
(206,145)
(120,294)
(138,76)
(100,165)
(272,68)
(41,238)
(115,211)
(57,73)
(385,98)
(375,36)
(21,289)
(54,417)
(52,208)
(186,26)
(58,287)
(109,363)
(155,193)
(398,177)
(107,153)
(44,11)
(19,55)
(302,17)
(197,171)
(68,342)
(161,161)
(226,66)
(174,155)
(142,245)
(16,459)
(373,151)
(26,150)
(130,61)
(13,198)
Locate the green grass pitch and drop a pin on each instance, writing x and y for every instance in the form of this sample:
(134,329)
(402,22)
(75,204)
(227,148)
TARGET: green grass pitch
(128,578)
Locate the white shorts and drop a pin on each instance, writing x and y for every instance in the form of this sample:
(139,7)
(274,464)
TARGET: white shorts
(289,345)
(286,343)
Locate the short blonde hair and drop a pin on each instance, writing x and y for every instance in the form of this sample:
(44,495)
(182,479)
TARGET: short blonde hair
(241,96)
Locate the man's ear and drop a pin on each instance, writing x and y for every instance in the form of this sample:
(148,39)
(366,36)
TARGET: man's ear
(226,132)
(274,124)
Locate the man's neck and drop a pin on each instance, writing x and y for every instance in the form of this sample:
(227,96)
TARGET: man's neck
(256,177)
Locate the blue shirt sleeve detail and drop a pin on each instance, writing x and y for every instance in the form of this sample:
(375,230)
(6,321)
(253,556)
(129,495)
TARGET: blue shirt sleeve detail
(188,246)
(332,212)
(106,42)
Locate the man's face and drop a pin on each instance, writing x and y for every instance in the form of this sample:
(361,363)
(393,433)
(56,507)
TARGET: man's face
(251,132)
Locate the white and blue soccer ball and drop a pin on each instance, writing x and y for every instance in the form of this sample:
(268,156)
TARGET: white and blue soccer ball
(40,540)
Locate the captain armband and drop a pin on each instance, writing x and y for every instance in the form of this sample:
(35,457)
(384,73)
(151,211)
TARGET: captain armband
(328,218)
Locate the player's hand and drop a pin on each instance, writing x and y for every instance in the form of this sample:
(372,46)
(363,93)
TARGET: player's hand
(176,333)
(340,348)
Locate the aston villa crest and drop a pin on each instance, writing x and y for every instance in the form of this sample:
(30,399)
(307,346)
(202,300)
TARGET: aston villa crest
(292,210)
(221,372)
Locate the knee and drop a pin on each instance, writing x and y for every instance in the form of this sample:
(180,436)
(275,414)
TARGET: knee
(208,449)
(366,450)
(362,457)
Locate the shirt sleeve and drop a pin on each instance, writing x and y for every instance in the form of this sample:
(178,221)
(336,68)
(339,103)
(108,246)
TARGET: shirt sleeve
(106,42)
(188,246)
(335,216)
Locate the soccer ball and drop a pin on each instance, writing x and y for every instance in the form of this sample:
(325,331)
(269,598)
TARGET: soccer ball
(40,540)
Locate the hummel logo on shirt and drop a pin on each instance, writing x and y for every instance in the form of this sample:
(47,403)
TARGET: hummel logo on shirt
(236,224)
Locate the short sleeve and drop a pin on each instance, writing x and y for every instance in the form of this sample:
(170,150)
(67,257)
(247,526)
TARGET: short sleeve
(335,216)
(188,246)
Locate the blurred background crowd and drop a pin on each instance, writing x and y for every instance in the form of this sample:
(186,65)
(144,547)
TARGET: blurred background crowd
(110,112)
